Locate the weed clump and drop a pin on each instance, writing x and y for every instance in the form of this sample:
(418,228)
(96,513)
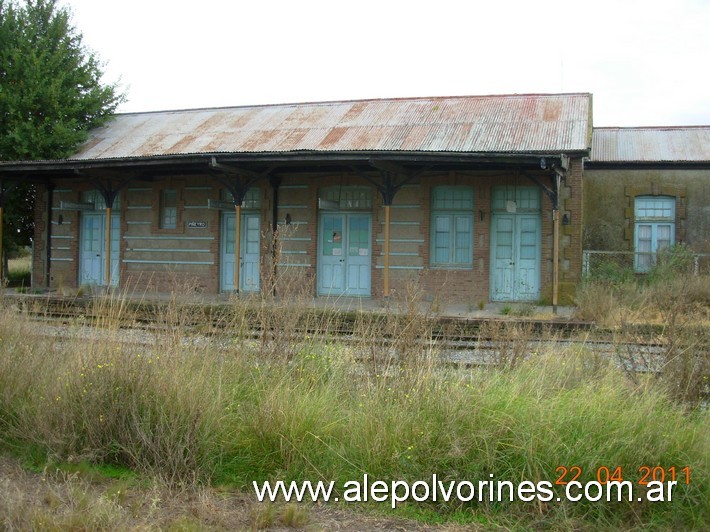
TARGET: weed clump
(668,309)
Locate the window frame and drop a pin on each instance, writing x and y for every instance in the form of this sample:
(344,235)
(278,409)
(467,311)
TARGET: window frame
(157,225)
(454,214)
(645,260)
(168,221)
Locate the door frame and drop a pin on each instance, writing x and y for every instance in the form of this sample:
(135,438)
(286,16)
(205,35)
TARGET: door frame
(516,220)
(224,233)
(115,248)
(346,235)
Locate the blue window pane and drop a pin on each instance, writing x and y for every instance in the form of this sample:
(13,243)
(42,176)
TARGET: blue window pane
(452,198)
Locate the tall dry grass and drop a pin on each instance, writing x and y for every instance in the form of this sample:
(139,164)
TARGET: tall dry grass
(277,397)
(669,307)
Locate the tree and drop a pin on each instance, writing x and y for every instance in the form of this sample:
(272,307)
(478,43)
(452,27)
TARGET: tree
(50,96)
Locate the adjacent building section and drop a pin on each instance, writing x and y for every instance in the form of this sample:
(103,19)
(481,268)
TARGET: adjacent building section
(646,190)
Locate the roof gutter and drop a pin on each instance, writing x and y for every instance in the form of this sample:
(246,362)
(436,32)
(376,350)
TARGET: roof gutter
(157,161)
(647,165)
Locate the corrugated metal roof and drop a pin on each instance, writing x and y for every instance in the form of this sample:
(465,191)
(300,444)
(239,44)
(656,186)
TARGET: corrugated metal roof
(651,144)
(480,124)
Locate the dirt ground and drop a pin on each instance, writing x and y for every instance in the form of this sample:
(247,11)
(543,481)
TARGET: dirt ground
(81,501)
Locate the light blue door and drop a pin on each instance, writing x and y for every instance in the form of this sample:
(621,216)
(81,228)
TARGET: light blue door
(92,249)
(515,257)
(344,260)
(249,252)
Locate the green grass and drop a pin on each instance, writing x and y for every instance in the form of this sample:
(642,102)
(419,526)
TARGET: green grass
(233,412)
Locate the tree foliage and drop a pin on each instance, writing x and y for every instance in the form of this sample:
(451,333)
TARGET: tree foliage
(51,94)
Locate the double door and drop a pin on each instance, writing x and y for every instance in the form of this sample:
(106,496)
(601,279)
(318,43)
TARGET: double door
(92,249)
(344,256)
(515,257)
(249,252)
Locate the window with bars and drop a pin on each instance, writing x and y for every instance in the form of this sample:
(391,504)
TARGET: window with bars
(654,229)
(452,227)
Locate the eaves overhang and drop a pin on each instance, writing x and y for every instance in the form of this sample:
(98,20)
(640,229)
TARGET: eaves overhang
(285,161)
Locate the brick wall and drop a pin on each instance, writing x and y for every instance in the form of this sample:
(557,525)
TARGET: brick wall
(571,237)
(39,258)
(610,194)
(184,258)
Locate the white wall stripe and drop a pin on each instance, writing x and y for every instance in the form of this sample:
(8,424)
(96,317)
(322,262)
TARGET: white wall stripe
(151,237)
(181,262)
(168,250)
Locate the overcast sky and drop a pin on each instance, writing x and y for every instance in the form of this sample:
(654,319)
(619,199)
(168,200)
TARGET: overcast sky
(645,61)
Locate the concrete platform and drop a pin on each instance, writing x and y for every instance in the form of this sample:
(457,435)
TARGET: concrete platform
(508,310)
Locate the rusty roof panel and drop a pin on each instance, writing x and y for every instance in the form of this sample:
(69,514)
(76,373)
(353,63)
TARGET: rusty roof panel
(651,144)
(475,124)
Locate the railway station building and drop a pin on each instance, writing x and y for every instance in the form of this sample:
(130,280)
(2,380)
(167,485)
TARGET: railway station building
(473,199)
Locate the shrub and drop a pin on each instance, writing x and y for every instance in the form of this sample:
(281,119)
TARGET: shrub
(670,263)
(611,272)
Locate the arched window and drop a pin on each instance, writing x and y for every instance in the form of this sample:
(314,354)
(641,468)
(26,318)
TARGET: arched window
(654,219)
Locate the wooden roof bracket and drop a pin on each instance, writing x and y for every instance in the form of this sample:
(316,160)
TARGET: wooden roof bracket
(236,180)
(387,185)
(551,193)
(558,174)
(108,191)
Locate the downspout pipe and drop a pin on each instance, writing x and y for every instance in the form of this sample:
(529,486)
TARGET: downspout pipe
(559,173)
(556,245)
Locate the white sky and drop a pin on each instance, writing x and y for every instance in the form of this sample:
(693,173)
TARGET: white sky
(645,61)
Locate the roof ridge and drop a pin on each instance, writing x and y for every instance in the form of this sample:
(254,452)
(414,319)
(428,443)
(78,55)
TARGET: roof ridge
(654,128)
(356,100)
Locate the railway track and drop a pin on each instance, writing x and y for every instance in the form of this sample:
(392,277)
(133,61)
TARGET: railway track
(221,314)
(460,341)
